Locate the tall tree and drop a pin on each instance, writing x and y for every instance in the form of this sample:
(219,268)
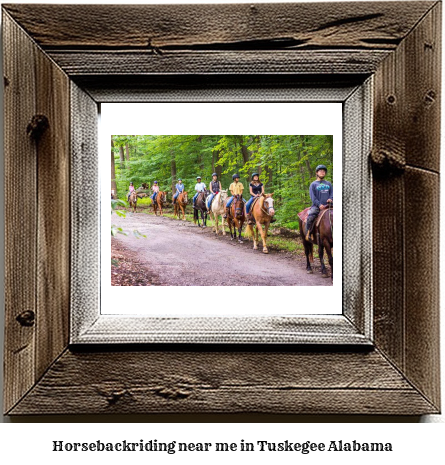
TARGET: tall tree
(113,172)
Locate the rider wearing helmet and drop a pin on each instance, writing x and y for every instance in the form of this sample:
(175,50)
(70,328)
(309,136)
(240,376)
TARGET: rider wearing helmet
(199,187)
(322,194)
(179,188)
(256,190)
(236,188)
(155,190)
(215,188)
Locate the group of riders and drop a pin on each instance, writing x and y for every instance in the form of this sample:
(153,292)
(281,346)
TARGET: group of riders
(321,193)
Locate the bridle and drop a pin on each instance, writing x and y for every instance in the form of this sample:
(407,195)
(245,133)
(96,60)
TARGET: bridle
(266,202)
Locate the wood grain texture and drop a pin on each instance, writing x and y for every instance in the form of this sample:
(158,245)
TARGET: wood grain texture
(160,27)
(398,42)
(406,131)
(422,364)
(78,63)
(217,382)
(53,199)
(20,213)
(85,204)
(423,91)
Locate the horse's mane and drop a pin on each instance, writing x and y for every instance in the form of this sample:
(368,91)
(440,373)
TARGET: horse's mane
(261,201)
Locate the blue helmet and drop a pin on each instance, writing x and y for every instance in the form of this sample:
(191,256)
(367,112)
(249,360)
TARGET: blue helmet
(215,174)
(321,167)
(255,174)
(235,176)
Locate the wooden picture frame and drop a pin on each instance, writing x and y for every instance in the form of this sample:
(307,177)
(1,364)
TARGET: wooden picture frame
(66,63)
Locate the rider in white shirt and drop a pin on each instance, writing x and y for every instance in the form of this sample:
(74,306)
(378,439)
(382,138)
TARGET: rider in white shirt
(199,187)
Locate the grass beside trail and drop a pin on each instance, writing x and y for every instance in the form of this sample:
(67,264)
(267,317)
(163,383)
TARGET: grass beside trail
(277,242)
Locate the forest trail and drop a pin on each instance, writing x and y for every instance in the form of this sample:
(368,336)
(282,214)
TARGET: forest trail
(182,254)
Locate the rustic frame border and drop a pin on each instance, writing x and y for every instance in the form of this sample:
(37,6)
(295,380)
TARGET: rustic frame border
(210,45)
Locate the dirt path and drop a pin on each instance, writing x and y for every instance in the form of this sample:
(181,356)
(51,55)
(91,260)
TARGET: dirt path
(181,254)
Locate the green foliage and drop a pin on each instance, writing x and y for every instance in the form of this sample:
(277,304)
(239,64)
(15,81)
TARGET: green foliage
(286,164)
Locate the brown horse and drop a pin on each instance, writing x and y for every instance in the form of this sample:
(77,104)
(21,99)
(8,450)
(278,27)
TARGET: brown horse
(200,206)
(133,199)
(159,202)
(236,217)
(323,233)
(180,204)
(262,212)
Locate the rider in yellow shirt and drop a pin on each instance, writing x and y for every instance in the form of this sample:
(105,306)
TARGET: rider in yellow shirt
(236,188)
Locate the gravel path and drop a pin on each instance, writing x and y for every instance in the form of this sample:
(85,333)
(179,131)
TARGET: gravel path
(182,254)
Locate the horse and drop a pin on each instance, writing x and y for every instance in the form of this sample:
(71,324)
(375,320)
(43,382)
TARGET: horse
(218,208)
(159,202)
(133,199)
(262,212)
(236,217)
(180,204)
(200,206)
(323,232)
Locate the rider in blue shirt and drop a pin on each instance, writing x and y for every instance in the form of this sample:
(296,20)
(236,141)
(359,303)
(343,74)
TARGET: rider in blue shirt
(179,188)
(322,194)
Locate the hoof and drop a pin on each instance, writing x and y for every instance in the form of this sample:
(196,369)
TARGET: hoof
(324,275)
(309,272)
(265,251)
(240,241)
(255,247)
(231,238)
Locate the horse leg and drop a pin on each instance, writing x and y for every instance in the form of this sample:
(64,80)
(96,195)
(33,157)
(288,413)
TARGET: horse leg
(263,233)
(223,226)
(255,236)
(229,222)
(324,273)
(240,228)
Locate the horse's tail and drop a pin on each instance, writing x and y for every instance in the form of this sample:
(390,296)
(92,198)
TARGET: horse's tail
(249,231)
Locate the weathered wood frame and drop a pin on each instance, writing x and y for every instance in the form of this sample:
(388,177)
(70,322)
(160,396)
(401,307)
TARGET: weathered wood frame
(66,61)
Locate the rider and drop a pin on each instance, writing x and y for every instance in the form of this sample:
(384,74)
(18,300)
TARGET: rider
(199,187)
(322,194)
(215,188)
(256,190)
(235,188)
(179,188)
(155,190)
(131,190)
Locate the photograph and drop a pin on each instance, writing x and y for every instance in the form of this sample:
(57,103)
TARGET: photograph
(224,210)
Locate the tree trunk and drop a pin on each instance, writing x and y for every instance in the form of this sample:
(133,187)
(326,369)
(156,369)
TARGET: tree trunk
(127,155)
(217,168)
(113,173)
(122,157)
(173,172)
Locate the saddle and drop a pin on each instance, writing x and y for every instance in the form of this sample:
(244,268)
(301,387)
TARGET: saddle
(305,213)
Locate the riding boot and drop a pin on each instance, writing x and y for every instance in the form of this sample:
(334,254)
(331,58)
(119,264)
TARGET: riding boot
(309,224)
(250,219)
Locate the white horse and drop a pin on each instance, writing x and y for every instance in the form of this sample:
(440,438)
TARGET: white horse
(217,208)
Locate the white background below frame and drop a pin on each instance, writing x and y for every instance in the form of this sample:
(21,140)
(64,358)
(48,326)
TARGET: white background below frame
(226,118)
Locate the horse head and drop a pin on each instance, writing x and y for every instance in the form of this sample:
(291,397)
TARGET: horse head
(268,204)
(163,196)
(239,206)
(223,196)
(185,197)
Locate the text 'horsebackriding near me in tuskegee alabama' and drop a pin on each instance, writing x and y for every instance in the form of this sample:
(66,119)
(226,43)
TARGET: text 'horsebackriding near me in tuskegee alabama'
(317,222)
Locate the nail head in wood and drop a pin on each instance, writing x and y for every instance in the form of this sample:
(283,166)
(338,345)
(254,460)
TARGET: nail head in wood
(26,318)
(37,126)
